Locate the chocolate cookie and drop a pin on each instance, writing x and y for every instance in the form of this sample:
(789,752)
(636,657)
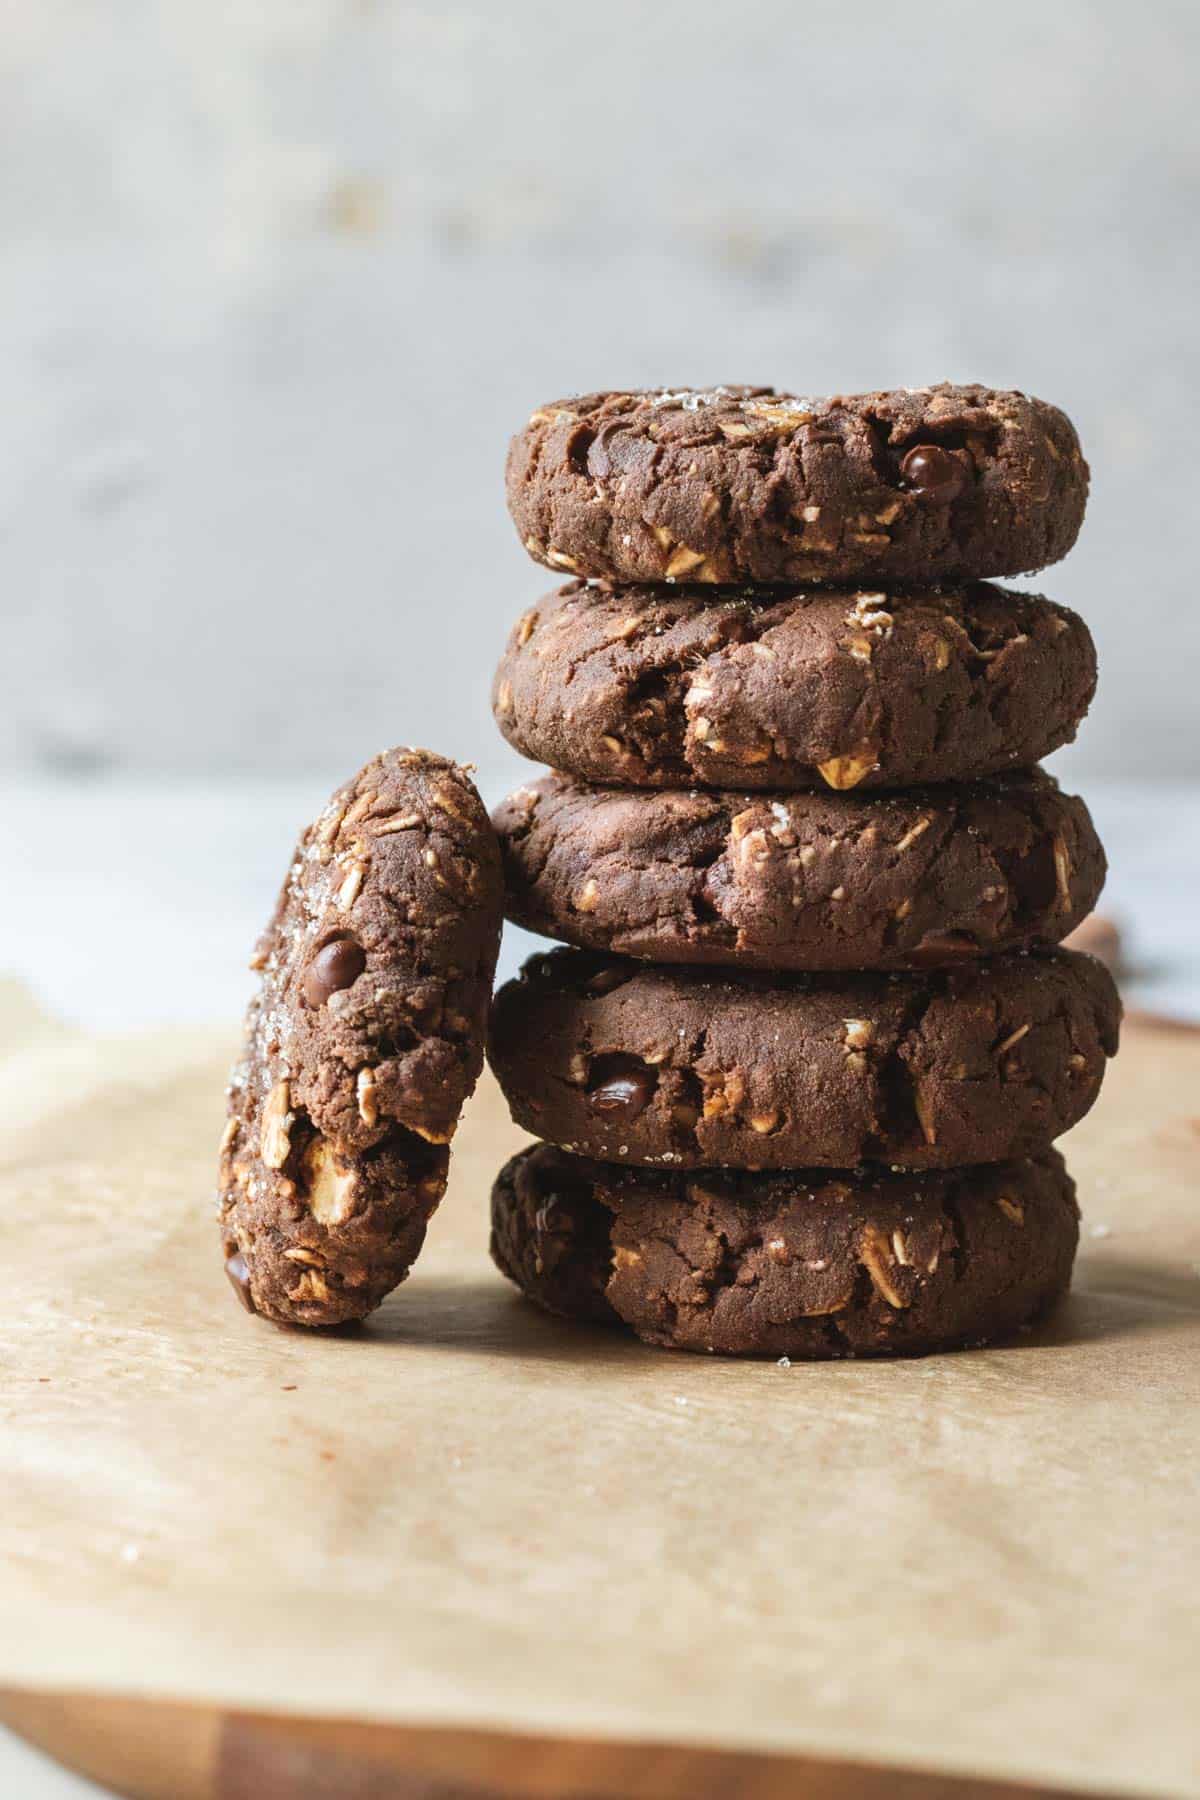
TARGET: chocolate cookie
(734,484)
(362,1042)
(796,1264)
(801,881)
(650,687)
(641,1065)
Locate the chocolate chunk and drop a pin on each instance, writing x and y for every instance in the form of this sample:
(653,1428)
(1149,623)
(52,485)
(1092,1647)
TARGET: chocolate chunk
(239,1279)
(620,1086)
(934,473)
(336,965)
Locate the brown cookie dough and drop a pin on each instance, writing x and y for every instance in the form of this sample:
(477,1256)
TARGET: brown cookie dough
(654,687)
(798,1264)
(362,1042)
(645,1066)
(803,880)
(742,484)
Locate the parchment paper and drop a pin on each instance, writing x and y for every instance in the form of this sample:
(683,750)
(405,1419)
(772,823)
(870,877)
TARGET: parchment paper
(471,1514)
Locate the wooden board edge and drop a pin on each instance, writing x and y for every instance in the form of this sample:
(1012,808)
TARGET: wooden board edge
(147,1749)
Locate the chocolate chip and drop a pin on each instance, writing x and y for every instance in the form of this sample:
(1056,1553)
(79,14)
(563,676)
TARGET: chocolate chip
(334,966)
(620,1085)
(239,1279)
(934,473)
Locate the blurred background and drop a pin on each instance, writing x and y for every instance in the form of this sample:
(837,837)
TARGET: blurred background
(281,278)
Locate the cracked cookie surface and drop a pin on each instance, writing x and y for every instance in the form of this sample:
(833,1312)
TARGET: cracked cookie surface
(687,1069)
(802,880)
(362,1042)
(801,1264)
(649,687)
(734,484)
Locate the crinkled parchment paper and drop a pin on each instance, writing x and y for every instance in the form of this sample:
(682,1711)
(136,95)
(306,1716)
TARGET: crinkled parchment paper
(470,1514)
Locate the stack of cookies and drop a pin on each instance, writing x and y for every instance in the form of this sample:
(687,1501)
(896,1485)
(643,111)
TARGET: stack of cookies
(798,1080)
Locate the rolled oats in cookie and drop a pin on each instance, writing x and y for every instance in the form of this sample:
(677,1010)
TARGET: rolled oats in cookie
(804,1263)
(840,688)
(362,1042)
(737,484)
(688,1069)
(801,880)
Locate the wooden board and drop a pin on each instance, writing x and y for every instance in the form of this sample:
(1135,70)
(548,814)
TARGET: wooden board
(150,1751)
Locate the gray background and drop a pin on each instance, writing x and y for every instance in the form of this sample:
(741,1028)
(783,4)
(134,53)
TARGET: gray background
(281,277)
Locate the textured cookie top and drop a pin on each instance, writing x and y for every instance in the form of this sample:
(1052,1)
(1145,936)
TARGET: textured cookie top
(732,484)
(636,1064)
(662,687)
(362,1042)
(814,880)
(386,924)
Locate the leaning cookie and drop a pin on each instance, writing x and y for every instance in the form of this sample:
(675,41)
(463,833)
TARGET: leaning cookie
(654,687)
(688,1069)
(362,1043)
(798,1264)
(734,484)
(802,880)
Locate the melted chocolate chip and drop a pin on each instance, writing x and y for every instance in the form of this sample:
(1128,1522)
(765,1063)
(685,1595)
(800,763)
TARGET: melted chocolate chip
(239,1279)
(334,966)
(620,1086)
(934,474)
